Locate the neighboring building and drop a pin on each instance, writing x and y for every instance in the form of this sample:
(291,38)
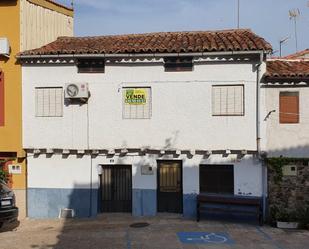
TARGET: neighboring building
(302,55)
(285,91)
(168,115)
(25,24)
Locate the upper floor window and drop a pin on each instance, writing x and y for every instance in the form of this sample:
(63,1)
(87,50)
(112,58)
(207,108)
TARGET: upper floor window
(1,98)
(48,101)
(136,103)
(217,179)
(178,64)
(228,100)
(91,66)
(289,107)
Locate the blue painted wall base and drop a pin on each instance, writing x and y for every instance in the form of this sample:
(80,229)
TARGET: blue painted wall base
(144,202)
(46,203)
(189,206)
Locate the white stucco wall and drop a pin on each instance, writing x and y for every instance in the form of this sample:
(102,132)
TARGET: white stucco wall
(291,140)
(181,108)
(73,172)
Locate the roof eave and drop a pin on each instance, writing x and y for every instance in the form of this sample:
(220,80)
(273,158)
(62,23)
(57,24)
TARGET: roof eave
(133,55)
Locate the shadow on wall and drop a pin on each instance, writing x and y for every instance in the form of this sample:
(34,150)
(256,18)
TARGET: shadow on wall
(86,203)
(298,151)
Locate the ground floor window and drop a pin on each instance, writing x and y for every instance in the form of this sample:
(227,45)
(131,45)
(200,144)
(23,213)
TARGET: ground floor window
(217,179)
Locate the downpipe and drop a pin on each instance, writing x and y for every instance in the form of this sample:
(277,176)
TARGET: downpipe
(258,133)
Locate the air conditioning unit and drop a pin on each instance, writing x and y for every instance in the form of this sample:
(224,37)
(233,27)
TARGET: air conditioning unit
(4,46)
(76,91)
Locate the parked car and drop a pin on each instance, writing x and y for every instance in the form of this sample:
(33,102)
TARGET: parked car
(8,209)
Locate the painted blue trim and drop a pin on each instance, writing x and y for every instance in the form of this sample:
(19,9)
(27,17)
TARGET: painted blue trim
(189,206)
(144,202)
(46,202)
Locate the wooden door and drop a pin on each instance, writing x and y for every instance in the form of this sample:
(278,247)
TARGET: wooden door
(169,191)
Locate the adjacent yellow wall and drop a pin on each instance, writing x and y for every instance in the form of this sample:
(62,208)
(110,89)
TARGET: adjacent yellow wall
(11,132)
(27,24)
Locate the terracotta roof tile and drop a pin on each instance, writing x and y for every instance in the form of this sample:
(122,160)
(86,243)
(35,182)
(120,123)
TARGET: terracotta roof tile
(164,42)
(287,69)
(298,55)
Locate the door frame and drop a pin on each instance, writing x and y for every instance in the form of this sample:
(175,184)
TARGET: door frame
(158,179)
(100,199)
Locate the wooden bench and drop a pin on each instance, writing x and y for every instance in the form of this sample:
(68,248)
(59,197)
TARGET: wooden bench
(230,204)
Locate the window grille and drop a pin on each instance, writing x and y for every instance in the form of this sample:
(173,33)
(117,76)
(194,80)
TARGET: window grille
(178,64)
(91,66)
(228,100)
(217,179)
(48,102)
(136,103)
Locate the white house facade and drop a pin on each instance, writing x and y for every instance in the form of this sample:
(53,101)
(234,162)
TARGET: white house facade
(285,95)
(142,123)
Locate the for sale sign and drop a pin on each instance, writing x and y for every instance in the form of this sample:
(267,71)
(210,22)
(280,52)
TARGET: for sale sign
(137,96)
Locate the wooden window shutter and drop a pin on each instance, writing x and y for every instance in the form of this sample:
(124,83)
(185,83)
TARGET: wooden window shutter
(289,107)
(1,98)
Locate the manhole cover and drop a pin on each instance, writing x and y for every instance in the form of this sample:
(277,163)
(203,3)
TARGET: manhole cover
(139,224)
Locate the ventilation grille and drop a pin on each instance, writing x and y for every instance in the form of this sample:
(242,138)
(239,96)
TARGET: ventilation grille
(66,213)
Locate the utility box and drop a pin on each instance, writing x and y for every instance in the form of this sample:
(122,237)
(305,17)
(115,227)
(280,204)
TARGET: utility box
(289,170)
(4,46)
(15,169)
(147,170)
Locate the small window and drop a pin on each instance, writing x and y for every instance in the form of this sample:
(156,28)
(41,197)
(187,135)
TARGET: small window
(48,102)
(178,64)
(228,100)
(217,179)
(289,108)
(136,103)
(91,66)
(1,98)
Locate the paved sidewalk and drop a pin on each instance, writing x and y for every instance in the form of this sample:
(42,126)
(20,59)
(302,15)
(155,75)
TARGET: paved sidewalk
(113,231)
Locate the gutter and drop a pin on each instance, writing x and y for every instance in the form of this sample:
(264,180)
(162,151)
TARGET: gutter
(137,55)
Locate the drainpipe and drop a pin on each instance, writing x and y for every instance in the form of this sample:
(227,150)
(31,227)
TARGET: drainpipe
(258,102)
(91,165)
(258,132)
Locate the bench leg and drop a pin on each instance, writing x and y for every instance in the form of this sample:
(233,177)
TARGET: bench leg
(198,212)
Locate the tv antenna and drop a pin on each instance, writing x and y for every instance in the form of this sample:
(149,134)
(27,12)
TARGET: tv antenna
(294,14)
(238,13)
(281,42)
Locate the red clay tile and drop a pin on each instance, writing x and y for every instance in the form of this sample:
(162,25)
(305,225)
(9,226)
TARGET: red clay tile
(287,69)
(168,42)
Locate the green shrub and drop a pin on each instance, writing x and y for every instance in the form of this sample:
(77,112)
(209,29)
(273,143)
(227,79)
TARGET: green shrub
(3,175)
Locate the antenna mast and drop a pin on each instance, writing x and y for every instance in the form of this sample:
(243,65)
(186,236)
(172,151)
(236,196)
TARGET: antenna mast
(294,14)
(238,13)
(281,42)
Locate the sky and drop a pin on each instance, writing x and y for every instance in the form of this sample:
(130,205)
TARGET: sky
(267,18)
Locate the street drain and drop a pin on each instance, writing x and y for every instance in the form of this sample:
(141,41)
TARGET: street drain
(139,224)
